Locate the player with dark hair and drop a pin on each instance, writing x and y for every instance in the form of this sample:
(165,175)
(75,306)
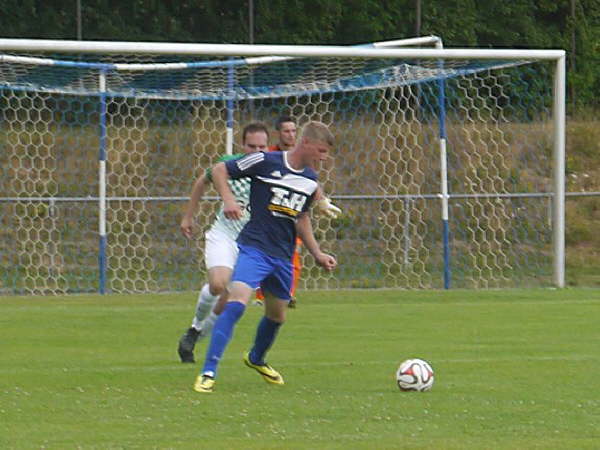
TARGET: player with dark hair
(221,250)
(283,187)
(286,134)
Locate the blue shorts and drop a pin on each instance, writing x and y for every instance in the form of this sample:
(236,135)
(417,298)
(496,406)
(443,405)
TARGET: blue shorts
(256,268)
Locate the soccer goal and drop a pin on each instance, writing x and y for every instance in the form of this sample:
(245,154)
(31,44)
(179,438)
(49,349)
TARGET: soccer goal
(448,165)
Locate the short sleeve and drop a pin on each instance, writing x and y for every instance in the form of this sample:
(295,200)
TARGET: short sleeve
(247,166)
(223,158)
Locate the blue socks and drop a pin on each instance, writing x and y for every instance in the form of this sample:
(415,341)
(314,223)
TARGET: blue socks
(221,335)
(265,335)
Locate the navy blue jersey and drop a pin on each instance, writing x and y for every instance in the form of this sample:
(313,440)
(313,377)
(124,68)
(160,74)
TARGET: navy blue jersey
(278,194)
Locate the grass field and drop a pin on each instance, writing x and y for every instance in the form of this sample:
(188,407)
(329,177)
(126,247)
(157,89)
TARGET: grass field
(514,369)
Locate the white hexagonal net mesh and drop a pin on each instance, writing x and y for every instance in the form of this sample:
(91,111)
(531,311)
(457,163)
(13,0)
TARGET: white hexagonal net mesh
(163,127)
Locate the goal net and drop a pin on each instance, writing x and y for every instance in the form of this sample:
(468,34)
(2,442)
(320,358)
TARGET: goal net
(445,169)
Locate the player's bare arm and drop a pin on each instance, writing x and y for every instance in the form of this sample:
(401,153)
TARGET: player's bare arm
(187,221)
(231,208)
(305,231)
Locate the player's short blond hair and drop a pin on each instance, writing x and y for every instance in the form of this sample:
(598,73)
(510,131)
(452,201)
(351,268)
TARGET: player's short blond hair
(317,131)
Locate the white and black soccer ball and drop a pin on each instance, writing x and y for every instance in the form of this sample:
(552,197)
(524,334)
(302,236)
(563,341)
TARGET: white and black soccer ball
(415,375)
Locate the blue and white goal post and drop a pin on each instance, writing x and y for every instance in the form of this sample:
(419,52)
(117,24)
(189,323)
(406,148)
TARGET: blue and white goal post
(448,165)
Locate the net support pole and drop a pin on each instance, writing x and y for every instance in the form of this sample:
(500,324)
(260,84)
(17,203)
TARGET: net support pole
(102,261)
(229,106)
(558,199)
(444,175)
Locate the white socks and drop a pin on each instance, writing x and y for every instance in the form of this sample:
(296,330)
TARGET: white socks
(208,323)
(204,307)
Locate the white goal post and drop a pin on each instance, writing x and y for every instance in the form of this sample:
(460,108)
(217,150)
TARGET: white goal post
(449,163)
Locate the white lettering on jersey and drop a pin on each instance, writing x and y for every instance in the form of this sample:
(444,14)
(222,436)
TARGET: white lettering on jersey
(294,201)
(284,201)
(278,195)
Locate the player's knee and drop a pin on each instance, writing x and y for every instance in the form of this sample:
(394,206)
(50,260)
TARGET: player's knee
(276,316)
(278,319)
(217,287)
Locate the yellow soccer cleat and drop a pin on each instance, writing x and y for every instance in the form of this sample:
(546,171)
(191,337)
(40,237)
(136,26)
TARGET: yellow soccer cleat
(269,374)
(204,384)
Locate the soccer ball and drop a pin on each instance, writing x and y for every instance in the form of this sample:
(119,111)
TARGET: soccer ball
(414,375)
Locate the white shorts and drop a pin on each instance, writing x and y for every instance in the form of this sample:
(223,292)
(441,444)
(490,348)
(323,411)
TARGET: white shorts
(220,250)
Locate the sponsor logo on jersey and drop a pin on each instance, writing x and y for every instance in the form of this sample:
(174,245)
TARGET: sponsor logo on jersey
(287,202)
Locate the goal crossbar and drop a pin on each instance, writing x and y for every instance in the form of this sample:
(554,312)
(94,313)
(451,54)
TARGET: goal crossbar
(55,46)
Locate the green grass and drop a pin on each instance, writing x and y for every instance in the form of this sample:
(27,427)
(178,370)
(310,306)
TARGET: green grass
(514,369)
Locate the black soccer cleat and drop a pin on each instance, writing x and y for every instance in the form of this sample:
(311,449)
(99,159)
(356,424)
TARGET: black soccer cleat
(292,303)
(186,345)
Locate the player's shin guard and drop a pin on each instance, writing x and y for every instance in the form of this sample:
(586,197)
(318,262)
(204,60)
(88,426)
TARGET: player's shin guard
(221,336)
(265,335)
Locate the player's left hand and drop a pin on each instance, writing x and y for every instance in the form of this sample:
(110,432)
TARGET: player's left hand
(325,206)
(326,261)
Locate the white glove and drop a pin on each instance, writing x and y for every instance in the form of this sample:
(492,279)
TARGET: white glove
(325,206)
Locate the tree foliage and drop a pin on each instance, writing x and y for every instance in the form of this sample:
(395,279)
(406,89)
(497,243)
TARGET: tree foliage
(461,23)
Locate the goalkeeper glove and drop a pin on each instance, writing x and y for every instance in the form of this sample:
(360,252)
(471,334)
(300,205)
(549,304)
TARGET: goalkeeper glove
(325,206)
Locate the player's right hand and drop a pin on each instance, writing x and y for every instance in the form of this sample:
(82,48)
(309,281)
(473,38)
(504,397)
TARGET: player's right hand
(186,227)
(232,210)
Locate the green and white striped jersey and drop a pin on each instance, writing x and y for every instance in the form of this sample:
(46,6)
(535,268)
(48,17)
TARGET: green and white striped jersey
(241,191)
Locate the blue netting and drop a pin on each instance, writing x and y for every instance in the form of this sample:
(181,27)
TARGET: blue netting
(209,79)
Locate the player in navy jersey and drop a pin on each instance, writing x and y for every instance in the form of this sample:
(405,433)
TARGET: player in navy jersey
(285,127)
(282,189)
(220,252)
